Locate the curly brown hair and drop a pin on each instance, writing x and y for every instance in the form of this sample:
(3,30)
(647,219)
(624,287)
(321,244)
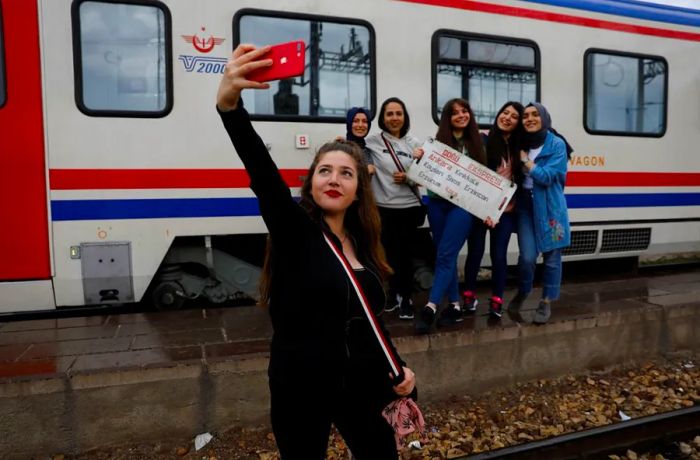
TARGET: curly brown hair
(471,136)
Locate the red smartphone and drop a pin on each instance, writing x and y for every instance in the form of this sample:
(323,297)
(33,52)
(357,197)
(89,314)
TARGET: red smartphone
(288,61)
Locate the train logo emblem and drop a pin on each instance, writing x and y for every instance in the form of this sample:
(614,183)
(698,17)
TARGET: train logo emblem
(199,63)
(203,45)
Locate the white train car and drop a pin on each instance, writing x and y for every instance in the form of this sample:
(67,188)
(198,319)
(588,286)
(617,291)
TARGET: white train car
(117,174)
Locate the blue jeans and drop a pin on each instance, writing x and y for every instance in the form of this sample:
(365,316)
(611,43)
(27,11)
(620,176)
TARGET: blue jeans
(450,226)
(551,278)
(500,237)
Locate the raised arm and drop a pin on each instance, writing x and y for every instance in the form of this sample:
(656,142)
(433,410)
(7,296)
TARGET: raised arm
(244,59)
(276,203)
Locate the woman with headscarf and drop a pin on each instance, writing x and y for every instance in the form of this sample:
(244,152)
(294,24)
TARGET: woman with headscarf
(543,219)
(503,156)
(357,127)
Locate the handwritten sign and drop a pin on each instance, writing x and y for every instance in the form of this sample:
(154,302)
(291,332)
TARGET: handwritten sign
(462,181)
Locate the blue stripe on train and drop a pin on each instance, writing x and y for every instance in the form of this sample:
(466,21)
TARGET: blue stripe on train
(631,200)
(64,210)
(632,9)
(153,208)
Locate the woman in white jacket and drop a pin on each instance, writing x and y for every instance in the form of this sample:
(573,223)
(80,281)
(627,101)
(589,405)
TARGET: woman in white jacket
(401,212)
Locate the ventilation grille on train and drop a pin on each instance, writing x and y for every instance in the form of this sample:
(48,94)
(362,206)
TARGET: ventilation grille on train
(582,242)
(627,239)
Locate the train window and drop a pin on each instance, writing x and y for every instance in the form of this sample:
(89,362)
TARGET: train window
(625,94)
(122,58)
(339,72)
(3,91)
(487,71)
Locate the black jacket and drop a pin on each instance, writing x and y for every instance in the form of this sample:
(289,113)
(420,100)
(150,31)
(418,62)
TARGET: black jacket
(320,334)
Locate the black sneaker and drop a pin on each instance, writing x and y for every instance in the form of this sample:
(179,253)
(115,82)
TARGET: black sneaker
(421,328)
(392,303)
(428,315)
(542,313)
(450,316)
(469,301)
(495,307)
(406,310)
(425,320)
(517,302)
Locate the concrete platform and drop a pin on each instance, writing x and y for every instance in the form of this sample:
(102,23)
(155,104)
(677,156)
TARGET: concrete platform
(69,384)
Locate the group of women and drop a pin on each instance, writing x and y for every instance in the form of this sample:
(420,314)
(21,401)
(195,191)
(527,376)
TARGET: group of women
(520,146)
(331,359)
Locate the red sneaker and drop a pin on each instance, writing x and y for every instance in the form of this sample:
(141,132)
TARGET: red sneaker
(495,306)
(469,301)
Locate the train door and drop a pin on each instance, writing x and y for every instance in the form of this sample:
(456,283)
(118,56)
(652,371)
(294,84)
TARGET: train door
(24,238)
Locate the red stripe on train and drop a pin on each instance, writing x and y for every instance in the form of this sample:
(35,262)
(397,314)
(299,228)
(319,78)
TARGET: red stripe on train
(560,18)
(631,179)
(111,179)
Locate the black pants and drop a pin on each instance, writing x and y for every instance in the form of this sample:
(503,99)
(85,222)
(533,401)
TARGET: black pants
(302,417)
(399,238)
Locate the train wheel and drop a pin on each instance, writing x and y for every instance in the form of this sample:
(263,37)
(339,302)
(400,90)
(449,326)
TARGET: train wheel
(168,295)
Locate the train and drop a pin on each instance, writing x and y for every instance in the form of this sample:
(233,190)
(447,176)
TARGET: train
(119,183)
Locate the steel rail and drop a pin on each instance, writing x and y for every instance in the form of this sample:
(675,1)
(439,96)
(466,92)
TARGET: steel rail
(640,433)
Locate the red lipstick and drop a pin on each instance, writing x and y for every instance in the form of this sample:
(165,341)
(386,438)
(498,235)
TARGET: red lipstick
(332,193)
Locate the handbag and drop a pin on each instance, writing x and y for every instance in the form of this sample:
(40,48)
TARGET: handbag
(420,216)
(402,414)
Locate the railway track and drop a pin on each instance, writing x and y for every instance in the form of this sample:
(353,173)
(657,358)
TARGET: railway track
(639,434)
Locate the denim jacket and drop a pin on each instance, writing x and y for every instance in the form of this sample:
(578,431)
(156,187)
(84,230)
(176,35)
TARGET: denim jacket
(551,217)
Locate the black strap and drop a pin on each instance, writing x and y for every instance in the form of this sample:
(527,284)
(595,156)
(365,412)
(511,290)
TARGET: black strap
(394,364)
(389,147)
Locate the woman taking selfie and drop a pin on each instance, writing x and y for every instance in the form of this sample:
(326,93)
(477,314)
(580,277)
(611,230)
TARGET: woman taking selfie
(543,219)
(502,156)
(326,366)
(449,223)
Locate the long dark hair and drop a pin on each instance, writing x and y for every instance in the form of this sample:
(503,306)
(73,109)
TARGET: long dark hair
(406,120)
(471,136)
(361,218)
(498,148)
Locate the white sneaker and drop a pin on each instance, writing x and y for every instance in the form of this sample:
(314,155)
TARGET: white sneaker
(406,311)
(391,306)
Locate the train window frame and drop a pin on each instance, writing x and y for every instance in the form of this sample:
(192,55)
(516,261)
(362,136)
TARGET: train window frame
(3,74)
(599,132)
(461,35)
(321,18)
(78,62)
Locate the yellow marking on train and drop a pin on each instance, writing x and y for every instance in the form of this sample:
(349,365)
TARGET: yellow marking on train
(587,160)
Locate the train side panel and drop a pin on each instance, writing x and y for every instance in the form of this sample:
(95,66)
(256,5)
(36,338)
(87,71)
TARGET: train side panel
(123,189)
